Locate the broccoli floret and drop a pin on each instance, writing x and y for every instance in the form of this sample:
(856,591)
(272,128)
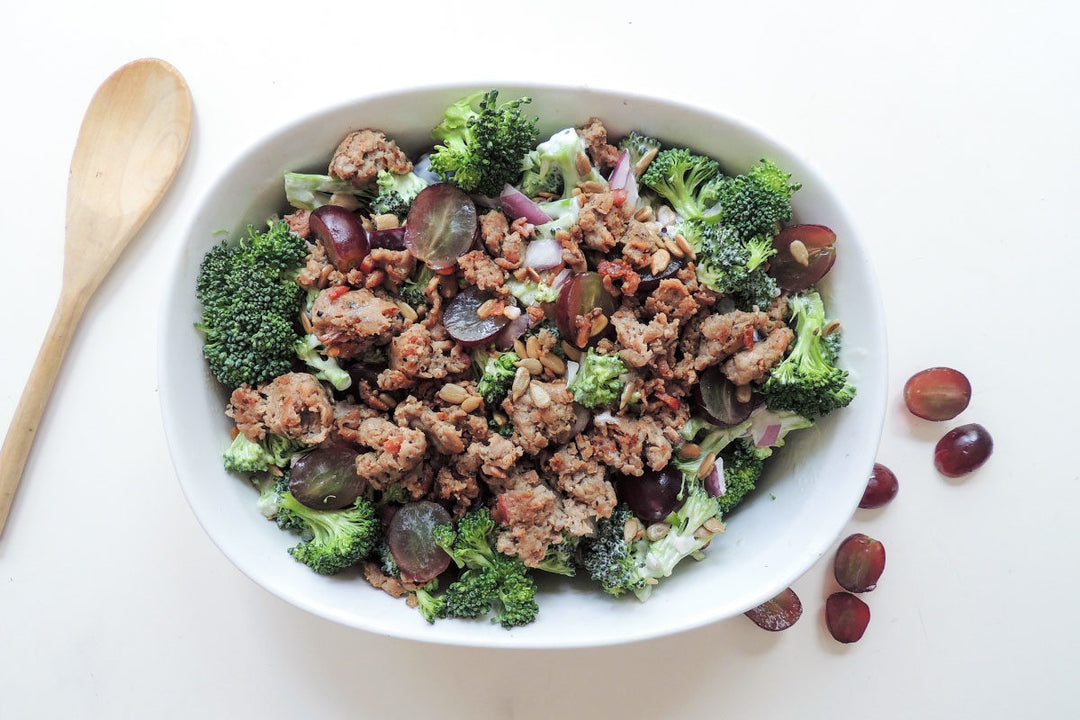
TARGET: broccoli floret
(245,455)
(530,292)
(430,605)
(270,488)
(497,377)
(553,167)
(807,381)
(482,143)
(396,193)
(609,558)
(310,350)
(757,202)
(309,191)
(490,579)
(250,305)
(412,291)
(637,565)
(689,182)
(730,265)
(505,429)
(598,381)
(547,327)
(560,557)
(743,465)
(638,145)
(332,540)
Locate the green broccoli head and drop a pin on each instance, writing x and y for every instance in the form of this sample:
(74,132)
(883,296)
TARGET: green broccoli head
(396,193)
(332,540)
(560,557)
(482,143)
(491,581)
(412,291)
(244,455)
(555,166)
(250,305)
(431,606)
(609,558)
(497,376)
(598,381)
(743,465)
(308,191)
(638,145)
(310,351)
(757,202)
(689,182)
(807,381)
(731,266)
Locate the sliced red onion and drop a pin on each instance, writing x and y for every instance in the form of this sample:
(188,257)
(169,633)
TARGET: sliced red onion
(516,204)
(714,481)
(543,254)
(624,178)
(581,419)
(514,329)
(769,436)
(571,371)
(558,281)
(485,202)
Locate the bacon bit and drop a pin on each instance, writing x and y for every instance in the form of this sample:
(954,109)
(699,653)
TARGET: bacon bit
(612,270)
(671,402)
(234,432)
(748,337)
(619,197)
(393,445)
(335,292)
(367,264)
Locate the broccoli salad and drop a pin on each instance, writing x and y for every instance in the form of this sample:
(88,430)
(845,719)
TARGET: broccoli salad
(517,354)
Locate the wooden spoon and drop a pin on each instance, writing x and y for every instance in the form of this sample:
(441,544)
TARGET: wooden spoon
(131,144)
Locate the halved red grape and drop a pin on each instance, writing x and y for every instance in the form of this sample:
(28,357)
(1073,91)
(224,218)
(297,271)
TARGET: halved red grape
(389,238)
(813,256)
(777,614)
(717,397)
(846,616)
(412,542)
(580,295)
(650,282)
(963,450)
(937,393)
(326,479)
(441,224)
(464,323)
(342,234)
(652,496)
(881,488)
(859,562)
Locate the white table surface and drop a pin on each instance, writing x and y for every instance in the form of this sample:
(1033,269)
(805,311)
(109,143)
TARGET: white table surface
(950,129)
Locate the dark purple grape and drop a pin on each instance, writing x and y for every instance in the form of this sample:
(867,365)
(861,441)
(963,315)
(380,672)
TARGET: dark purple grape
(388,238)
(813,256)
(846,616)
(963,450)
(650,282)
(464,323)
(441,225)
(777,614)
(652,496)
(717,397)
(859,562)
(412,543)
(326,479)
(342,234)
(880,489)
(580,295)
(937,393)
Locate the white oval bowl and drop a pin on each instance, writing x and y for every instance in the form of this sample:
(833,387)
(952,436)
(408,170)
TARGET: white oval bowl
(811,487)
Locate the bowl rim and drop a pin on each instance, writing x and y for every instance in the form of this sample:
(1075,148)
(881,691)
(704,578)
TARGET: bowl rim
(518,638)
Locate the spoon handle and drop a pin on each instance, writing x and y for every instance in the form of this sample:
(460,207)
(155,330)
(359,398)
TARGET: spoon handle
(31,408)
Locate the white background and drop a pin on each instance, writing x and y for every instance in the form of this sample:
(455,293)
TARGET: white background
(950,130)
